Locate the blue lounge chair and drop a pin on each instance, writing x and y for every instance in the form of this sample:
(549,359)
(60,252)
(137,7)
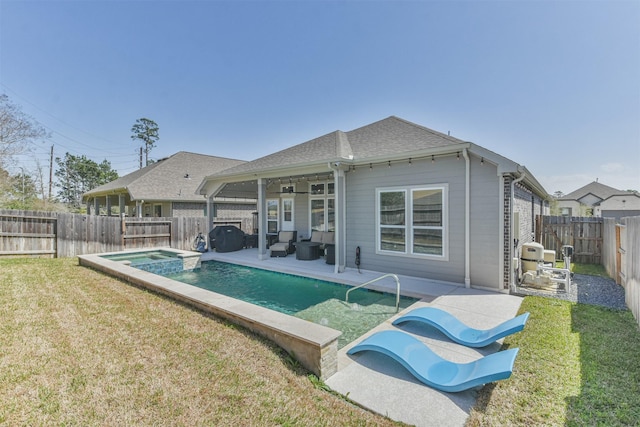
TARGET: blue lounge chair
(435,371)
(458,331)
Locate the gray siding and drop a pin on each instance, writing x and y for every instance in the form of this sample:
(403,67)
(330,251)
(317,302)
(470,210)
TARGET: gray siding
(361,216)
(485,212)
(617,214)
(301,204)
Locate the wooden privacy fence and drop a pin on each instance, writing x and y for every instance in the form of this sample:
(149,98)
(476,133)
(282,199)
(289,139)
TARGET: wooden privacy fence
(583,233)
(621,257)
(28,232)
(59,234)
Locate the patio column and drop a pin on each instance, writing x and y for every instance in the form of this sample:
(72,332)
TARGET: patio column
(108,201)
(121,207)
(88,207)
(139,204)
(96,206)
(262,219)
(341,220)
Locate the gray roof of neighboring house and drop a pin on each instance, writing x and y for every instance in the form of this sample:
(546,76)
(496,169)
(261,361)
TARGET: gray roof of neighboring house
(597,189)
(175,178)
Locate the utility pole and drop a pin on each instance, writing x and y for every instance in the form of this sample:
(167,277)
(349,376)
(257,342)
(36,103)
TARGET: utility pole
(140,157)
(50,171)
(22,169)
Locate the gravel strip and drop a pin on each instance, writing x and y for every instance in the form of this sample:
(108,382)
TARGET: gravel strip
(585,289)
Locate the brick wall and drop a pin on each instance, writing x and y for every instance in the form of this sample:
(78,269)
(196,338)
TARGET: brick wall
(506,274)
(528,205)
(183,209)
(234,213)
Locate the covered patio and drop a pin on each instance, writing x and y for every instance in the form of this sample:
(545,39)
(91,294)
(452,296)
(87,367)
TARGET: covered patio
(304,200)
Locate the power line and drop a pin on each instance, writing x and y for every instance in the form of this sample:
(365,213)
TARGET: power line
(56,118)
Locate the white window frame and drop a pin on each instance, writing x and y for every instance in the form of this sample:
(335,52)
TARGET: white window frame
(288,190)
(325,196)
(408,226)
(288,225)
(272,202)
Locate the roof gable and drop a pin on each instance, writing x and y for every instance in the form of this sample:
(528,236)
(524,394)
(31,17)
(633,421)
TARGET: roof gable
(174,178)
(394,135)
(594,189)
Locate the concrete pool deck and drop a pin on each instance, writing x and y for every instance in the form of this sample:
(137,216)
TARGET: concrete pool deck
(375,381)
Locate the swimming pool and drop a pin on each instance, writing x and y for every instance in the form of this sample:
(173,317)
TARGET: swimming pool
(314,300)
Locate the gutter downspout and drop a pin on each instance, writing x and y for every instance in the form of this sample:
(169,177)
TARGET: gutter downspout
(467,219)
(512,237)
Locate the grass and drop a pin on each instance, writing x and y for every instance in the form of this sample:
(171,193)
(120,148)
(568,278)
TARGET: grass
(588,269)
(80,348)
(577,366)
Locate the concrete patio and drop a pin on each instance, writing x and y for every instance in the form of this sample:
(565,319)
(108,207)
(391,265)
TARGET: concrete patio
(377,382)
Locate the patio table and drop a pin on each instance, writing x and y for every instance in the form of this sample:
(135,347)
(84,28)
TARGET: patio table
(307,250)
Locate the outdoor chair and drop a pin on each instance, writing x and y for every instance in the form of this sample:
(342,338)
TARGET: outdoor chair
(458,331)
(285,244)
(432,369)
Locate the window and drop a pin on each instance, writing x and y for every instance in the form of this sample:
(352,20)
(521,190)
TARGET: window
(322,206)
(272,216)
(317,215)
(412,221)
(288,189)
(287,210)
(287,215)
(317,189)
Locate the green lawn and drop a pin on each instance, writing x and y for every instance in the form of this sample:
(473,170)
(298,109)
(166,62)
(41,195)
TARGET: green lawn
(81,348)
(578,365)
(588,269)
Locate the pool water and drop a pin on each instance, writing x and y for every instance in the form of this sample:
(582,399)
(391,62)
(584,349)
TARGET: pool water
(314,300)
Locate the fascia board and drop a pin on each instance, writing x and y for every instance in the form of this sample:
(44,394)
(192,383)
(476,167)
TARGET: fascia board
(439,151)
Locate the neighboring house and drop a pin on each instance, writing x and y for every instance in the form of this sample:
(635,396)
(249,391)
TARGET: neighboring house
(596,199)
(167,188)
(415,201)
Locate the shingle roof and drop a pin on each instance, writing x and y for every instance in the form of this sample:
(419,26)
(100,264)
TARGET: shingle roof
(389,136)
(395,135)
(175,178)
(597,189)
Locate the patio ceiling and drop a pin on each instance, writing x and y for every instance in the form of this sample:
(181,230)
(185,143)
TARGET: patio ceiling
(249,189)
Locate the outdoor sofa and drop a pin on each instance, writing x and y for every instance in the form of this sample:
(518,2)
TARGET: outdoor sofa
(325,238)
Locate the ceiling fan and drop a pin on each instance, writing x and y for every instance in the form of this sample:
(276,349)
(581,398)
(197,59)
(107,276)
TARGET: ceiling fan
(290,190)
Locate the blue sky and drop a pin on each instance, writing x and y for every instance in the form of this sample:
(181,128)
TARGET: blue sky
(552,85)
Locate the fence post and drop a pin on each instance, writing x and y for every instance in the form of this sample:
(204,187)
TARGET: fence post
(123,230)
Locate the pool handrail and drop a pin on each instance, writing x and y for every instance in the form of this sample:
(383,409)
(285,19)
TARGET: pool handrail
(375,280)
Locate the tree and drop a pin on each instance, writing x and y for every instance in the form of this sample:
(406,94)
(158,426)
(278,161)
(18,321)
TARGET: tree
(18,191)
(17,130)
(145,130)
(77,175)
